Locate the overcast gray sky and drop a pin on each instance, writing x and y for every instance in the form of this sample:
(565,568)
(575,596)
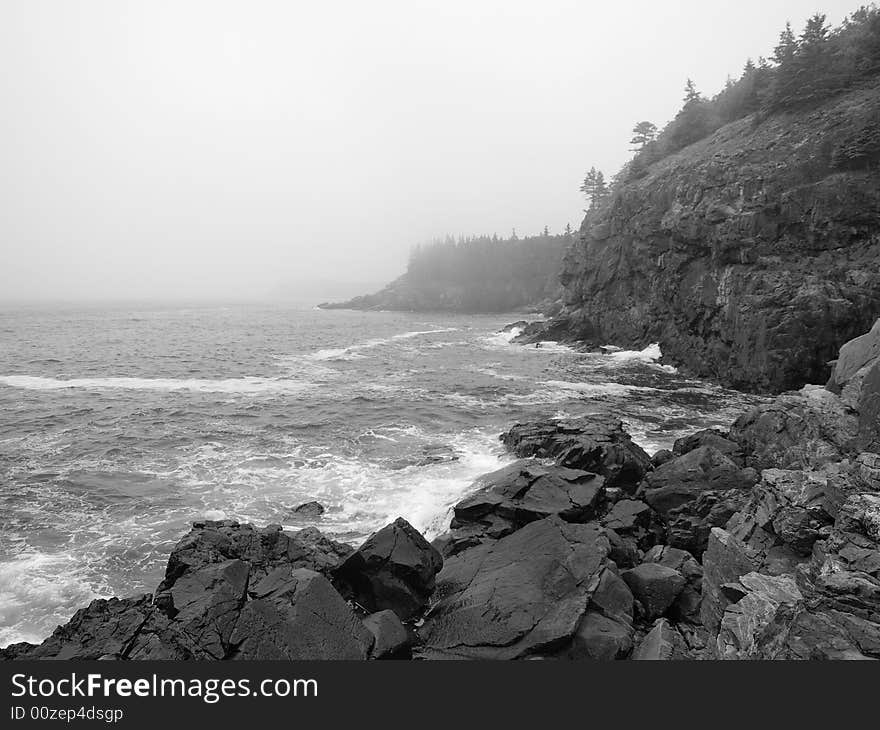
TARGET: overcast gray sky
(225,148)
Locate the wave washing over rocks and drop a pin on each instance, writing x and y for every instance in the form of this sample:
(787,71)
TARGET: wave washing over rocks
(759,542)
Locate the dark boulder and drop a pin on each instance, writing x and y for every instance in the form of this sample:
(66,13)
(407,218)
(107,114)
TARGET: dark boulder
(394,569)
(688,526)
(661,643)
(661,457)
(263,549)
(391,639)
(526,491)
(632,518)
(309,510)
(713,437)
(297,614)
(524,595)
(592,443)
(686,606)
(655,587)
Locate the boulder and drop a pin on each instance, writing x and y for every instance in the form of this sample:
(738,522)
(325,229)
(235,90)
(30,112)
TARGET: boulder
(726,559)
(661,643)
(869,471)
(661,457)
(683,479)
(523,595)
(695,492)
(309,510)
(799,430)
(297,614)
(526,491)
(686,606)
(868,408)
(654,586)
(593,443)
(390,637)
(713,437)
(744,623)
(394,569)
(632,518)
(263,549)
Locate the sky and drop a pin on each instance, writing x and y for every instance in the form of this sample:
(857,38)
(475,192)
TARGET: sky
(249,149)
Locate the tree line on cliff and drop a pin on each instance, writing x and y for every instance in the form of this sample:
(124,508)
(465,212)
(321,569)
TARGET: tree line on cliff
(489,273)
(803,70)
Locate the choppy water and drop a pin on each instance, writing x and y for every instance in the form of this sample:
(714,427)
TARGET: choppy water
(119,426)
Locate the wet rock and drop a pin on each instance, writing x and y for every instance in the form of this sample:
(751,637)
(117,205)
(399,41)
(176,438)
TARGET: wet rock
(695,492)
(634,519)
(713,437)
(523,595)
(686,606)
(297,614)
(390,637)
(309,509)
(683,479)
(654,586)
(593,443)
(661,643)
(263,549)
(523,492)
(394,569)
(797,430)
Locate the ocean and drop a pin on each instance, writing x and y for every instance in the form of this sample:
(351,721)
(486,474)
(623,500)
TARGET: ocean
(120,425)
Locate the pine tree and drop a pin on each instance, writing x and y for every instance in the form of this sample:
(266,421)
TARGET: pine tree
(787,47)
(643,133)
(594,187)
(690,93)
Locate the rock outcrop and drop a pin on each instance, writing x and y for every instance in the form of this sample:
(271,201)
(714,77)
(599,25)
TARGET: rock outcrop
(750,256)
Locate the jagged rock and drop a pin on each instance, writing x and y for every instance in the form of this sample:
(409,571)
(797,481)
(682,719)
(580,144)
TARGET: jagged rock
(394,569)
(654,586)
(869,471)
(391,638)
(726,559)
(523,595)
(205,604)
(683,479)
(695,492)
(713,437)
(624,549)
(632,518)
(593,443)
(661,457)
(869,409)
(263,549)
(606,631)
(661,643)
(744,622)
(309,509)
(790,509)
(298,615)
(688,526)
(686,606)
(523,492)
(797,430)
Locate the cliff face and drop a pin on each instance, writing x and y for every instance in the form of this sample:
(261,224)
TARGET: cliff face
(750,256)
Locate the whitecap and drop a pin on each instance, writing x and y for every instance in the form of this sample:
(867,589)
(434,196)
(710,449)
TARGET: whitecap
(235,386)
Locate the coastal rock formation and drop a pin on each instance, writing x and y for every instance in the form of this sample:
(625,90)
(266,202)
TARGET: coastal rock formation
(527,594)
(394,569)
(749,256)
(523,492)
(595,444)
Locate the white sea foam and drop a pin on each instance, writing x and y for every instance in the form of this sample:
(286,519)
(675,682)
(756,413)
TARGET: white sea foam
(355,352)
(242,386)
(599,388)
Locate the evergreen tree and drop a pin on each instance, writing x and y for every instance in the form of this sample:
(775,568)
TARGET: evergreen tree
(787,46)
(594,187)
(643,133)
(691,94)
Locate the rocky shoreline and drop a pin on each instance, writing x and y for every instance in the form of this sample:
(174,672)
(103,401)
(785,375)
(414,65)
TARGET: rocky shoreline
(761,542)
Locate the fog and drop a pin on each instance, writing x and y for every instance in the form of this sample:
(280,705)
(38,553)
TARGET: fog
(254,149)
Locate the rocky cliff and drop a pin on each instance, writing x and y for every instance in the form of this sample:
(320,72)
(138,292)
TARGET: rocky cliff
(750,256)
